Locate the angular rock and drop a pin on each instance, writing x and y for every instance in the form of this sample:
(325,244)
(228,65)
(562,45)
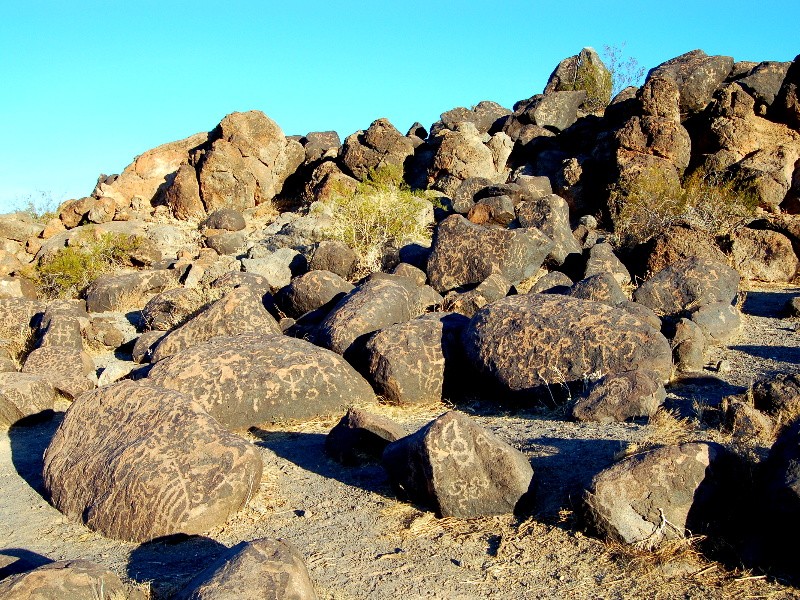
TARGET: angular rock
(622,396)
(115,292)
(458,468)
(778,393)
(744,421)
(468,303)
(262,568)
(17,287)
(410,362)
(61,330)
(463,253)
(763,255)
(464,196)
(688,346)
(483,115)
(183,194)
(65,580)
(554,282)
(319,144)
(603,260)
(719,321)
(556,110)
(661,494)
(418,276)
(375,304)
(361,436)
(246,380)
(224,218)
(240,311)
(687,285)
(764,82)
(460,156)
(166,468)
(698,76)
(525,342)
(311,291)
(68,370)
(23,395)
(602,287)
(550,215)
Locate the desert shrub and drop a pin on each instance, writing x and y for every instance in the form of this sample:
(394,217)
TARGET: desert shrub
(40,207)
(382,214)
(650,203)
(625,72)
(67,272)
(598,89)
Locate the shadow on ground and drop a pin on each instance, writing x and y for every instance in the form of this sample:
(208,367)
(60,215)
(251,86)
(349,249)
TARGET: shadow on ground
(29,438)
(307,451)
(785,354)
(767,303)
(18,560)
(169,563)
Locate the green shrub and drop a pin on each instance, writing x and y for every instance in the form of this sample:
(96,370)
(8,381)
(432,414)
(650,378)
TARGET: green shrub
(67,272)
(653,201)
(382,214)
(40,209)
(595,80)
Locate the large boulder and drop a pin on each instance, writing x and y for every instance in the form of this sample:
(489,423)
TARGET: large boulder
(458,468)
(584,71)
(373,305)
(66,580)
(246,380)
(679,242)
(697,75)
(262,568)
(662,494)
(247,163)
(461,154)
(763,255)
(554,110)
(166,467)
(483,115)
(778,393)
(620,397)
(311,291)
(463,253)
(524,342)
(380,145)
(687,285)
(69,370)
(240,311)
(409,362)
(550,215)
(115,292)
(23,395)
(183,194)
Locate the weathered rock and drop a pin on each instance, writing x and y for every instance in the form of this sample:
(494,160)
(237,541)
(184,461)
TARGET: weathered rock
(311,291)
(660,494)
(17,287)
(320,144)
(115,292)
(463,253)
(224,218)
(499,209)
(697,75)
(166,468)
(719,321)
(381,144)
(149,173)
(687,285)
(460,156)
(458,468)
(763,255)
(171,308)
(227,242)
(410,362)
(763,83)
(603,260)
(276,267)
(657,136)
(550,214)
(361,436)
(183,194)
(787,104)
(778,393)
(745,422)
(19,227)
(556,110)
(622,396)
(602,287)
(65,580)
(525,342)
(61,330)
(688,346)
(245,380)
(782,478)
(262,568)
(679,242)
(334,256)
(483,115)
(69,370)
(584,71)
(248,163)
(375,304)
(554,282)
(240,311)
(145,344)
(468,303)
(644,314)
(464,196)
(23,395)
(417,275)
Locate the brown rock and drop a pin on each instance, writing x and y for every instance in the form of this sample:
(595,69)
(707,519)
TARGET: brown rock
(67,369)
(381,144)
(622,396)
(183,194)
(167,467)
(23,395)
(697,75)
(680,242)
(65,580)
(763,255)
(361,436)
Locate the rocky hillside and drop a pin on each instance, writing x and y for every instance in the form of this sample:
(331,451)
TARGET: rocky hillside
(576,263)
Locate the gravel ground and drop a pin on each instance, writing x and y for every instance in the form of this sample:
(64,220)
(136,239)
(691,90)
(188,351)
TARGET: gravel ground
(360,542)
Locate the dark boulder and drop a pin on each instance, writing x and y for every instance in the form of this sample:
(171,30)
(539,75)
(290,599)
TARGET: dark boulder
(311,291)
(621,397)
(361,436)
(697,75)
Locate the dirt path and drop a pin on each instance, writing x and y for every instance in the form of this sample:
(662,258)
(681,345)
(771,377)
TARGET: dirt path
(359,542)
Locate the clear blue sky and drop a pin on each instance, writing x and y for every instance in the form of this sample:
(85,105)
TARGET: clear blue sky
(89,85)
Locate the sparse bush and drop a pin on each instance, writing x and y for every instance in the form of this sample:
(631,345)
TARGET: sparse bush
(594,79)
(652,202)
(380,215)
(66,273)
(40,207)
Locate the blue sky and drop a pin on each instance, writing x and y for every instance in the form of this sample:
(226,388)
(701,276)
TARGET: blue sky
(89,85)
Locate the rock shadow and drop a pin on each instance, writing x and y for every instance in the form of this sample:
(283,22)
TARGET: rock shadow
(307,451)
(767,304)
(18,560)
(562,471)
(699,387)
(786,354)
(169,563)
(29,438)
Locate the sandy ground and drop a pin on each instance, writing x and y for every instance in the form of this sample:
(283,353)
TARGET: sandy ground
(360,542)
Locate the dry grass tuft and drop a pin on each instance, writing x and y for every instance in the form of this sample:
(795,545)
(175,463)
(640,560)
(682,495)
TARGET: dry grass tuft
(667,428)
(643,561)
